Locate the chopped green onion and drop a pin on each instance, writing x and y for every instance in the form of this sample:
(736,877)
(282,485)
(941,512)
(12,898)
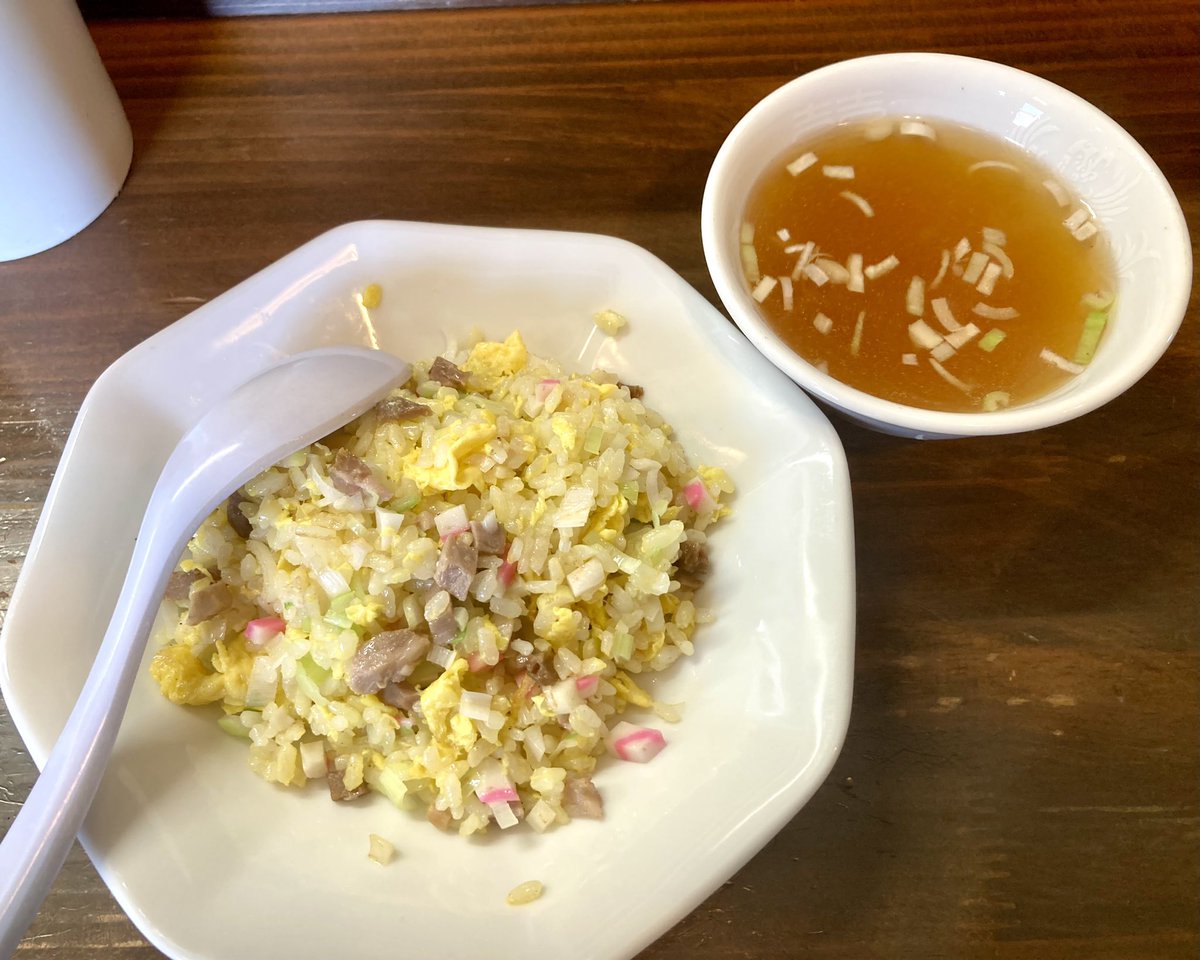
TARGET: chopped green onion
(336,615)
(1093,326)
(232,724)
(622,648)
(991,339)
(592,439)
(317,673)
(404,505)
(996,400)
(392,786)
(630,491)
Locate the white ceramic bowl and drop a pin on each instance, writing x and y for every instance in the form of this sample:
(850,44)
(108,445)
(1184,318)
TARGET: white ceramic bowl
(1089,151)
(212,862)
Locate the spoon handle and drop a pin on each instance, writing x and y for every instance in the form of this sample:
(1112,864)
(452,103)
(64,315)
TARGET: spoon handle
(40,837)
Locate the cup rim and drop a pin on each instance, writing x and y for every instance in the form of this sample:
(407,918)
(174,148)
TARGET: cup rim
(1044,412)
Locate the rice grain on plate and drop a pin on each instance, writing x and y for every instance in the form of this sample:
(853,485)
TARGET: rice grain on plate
(450,600)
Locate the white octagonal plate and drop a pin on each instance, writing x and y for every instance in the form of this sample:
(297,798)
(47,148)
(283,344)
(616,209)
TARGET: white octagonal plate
(213,863)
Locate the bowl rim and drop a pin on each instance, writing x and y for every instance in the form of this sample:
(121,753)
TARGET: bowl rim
(919,421)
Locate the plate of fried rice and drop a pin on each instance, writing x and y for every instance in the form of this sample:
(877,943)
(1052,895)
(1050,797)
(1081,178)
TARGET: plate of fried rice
(560,631)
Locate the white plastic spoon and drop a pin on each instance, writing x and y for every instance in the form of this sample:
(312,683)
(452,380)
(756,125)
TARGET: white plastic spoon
(281,410)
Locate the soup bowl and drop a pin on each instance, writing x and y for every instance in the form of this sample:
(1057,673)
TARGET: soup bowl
(1089,152)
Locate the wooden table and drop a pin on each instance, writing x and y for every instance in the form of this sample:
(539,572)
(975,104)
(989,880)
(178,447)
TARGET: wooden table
(1020,777)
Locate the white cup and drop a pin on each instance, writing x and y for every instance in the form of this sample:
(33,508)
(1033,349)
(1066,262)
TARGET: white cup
(65,144)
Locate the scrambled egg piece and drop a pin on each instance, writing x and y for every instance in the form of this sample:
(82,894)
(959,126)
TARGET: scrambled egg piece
(451,445)
(439,704)
(183,679)
(565,430)
(490,363)
(629,691)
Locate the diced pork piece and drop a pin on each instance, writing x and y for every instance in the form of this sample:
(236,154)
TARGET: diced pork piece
(439,818)
(387,657)
(402,696)
(399,409)
(457,565)
(337,784)
(447,374)
(635,392)
(236,516)
(535,665)
(352,475)
(444,628)
(692,565)
(180,585)
(207,602)
(581,799)
(489,535)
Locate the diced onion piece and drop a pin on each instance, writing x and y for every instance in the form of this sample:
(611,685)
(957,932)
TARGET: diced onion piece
(989,312)
(452,521)
(1076,219)
(943,351)
(962,336)
(987,283)
(993,235)
(878,130)
(1093,326)
(886,265)
(586,577)
(961,249)
(822,323)
(923,335)
(914,300)
(312,759)
(1085,231)
(1100,300)
(544,388)
(990,340)
(858,201)
(575,506)
(941,310)
(747,234)
(806,254)
(1061,362)
(948,376)
(854,267)
(996,400)
(442,656)
(915,128)
(634,743)
(475,706)
(750,263)
(816,274)
(261,684)
(525,892)
(763,288)
(856,339)
(380,850)
(801,163)
(975,268)
(785,285)
(996,252)
(832,269)
(908,359)
(838,172)
(942,267)
(991,165)
(503,815)
(1057,191)
(784,234)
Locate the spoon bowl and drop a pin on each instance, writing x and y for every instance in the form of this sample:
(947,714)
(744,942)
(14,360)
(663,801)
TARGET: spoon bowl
(283,409)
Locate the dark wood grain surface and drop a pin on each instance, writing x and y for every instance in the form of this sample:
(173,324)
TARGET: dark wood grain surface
(1021,777)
